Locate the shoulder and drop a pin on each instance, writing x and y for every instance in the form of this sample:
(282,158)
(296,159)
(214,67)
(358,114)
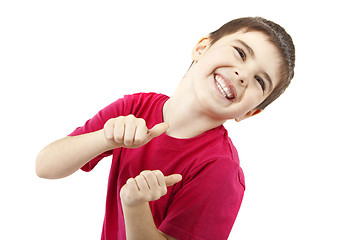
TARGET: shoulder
(214,154)
(145,96)
(136,101)
(216,144)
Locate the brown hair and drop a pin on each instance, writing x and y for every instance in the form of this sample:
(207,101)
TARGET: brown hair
(277,35)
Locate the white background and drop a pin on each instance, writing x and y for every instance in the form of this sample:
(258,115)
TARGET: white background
(62,61)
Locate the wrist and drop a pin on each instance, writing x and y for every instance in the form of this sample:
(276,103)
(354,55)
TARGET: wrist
(138,207)
(106,144)
(139,223)
(131,200)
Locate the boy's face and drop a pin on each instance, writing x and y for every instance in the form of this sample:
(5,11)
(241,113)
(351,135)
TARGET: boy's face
(235,74)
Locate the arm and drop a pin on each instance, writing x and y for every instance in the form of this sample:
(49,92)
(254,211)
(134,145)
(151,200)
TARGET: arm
(135,195)
(67,155)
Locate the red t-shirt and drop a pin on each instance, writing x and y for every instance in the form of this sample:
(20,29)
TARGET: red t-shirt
(203,205)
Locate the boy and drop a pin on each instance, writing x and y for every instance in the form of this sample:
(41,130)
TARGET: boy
(175,173)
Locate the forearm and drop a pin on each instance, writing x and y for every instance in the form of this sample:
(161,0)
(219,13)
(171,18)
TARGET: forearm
(67,155)
(135,197)
(139,223)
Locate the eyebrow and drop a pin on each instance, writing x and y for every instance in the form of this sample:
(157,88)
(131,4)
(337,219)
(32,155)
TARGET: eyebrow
(268,79)
(249,49)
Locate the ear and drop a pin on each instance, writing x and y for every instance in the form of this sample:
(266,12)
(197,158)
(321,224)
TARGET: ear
(249,114)
(200,48)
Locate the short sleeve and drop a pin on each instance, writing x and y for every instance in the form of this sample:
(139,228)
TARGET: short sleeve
(96,123)
(206,205)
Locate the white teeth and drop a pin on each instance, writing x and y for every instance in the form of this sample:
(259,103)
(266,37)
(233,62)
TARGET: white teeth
(221,90)
(223,87)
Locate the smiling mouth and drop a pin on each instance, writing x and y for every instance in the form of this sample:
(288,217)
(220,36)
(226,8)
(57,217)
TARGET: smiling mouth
(224,87)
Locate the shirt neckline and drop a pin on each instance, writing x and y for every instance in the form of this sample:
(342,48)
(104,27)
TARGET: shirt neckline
(185,142)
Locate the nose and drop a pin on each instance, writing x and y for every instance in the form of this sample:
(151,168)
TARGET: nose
(242,78)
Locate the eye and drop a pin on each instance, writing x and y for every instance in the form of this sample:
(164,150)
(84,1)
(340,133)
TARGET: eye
(261,82)
(241,53)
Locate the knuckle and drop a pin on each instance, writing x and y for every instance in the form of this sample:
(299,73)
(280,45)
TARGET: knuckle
(129,117)
(119,119)
(138,178)
(145,172)
(108,127)
(107,123)
(141,121)
(110,121)
(158,172)
(129,180)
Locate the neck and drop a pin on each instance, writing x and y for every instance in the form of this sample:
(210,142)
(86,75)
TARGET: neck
(184,115)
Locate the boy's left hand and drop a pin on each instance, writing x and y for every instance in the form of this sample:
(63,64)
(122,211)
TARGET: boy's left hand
(147,186)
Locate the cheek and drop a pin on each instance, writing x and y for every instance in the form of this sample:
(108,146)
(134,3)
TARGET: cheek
(216,58)
(253,94)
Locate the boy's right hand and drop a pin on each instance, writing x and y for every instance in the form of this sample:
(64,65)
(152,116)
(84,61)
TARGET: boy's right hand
(130,132)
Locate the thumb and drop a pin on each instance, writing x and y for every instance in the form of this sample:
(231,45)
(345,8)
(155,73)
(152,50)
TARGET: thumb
(172,179)
(157,130)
